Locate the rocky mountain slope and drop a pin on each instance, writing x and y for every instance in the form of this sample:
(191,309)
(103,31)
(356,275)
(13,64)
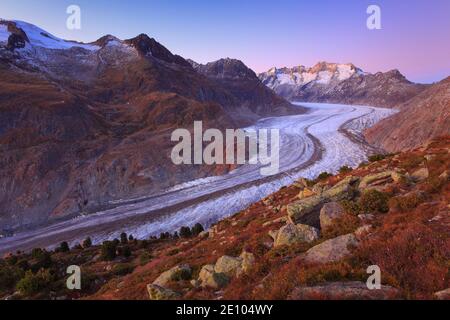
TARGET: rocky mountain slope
(84,124)
(243,83)
(311,240)
(420,119)
(341,83)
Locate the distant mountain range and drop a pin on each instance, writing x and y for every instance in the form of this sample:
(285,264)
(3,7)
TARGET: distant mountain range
(341,83)
(84,124)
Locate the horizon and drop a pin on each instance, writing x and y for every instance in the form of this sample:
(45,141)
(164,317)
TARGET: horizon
(257,31)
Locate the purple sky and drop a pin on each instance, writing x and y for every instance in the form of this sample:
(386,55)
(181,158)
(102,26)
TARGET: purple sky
(415,35)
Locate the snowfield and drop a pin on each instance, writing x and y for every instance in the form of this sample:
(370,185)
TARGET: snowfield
(310,144)
(41,38)
(4,33)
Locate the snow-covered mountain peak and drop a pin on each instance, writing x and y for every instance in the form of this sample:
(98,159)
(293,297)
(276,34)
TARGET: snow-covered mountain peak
(322,73)
(19,34)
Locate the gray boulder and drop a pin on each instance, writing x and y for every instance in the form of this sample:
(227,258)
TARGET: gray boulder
(229,266)
(177,273)
(211,279)
(331,250)
(291,233)
(329,213)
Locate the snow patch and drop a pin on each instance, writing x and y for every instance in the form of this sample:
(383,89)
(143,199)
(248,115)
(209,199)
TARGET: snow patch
(42,38)
(345,72)
(324,77)
(4,33)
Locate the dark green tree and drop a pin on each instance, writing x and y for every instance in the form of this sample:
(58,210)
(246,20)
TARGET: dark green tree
(108,250)
(185,232)
(64,247)
(87,243)
(196,229)
(123,238)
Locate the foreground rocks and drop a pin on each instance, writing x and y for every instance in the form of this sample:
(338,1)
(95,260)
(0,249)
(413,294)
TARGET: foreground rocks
(352,290)
(291,233)
(208,277)
(329,213)
(331,250)
(156,292)
(177,273)
(230,266)
(344,189)
(218,275)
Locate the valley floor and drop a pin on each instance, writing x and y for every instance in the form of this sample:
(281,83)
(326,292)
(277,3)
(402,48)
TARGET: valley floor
(311,143)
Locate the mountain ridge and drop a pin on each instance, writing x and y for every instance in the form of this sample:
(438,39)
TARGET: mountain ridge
(420,119)
(341,83)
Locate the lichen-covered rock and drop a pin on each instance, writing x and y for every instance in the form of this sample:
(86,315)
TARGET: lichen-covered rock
(156,292)
(376,179)
(351,290)
(229,266)
(177,273)
(211,279)
(329,213)
(291,233)
(318,188)
(342,190)
(331,250)
(299,209)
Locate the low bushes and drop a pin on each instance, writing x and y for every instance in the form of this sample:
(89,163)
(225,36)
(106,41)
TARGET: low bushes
(348,223)
(108,250)
(371,201)
(32,283)
(406,202)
